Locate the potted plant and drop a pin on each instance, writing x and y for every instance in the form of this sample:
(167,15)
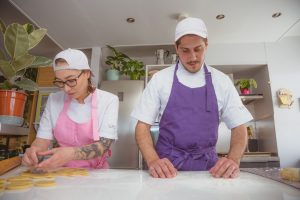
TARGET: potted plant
(134,69)
(245,85)
(116,63)
(15,59)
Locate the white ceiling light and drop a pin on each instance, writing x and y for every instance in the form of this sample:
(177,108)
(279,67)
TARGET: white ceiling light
(182,16)
(130,20)
(219,17)
(277,14)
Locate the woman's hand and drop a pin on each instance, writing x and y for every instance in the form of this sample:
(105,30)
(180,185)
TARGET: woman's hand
(59,157)
(30,157)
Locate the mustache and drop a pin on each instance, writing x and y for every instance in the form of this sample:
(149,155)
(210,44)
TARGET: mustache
(193,62)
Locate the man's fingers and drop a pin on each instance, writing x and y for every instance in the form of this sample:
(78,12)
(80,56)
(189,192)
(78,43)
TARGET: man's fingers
(228,172)
(217,166)
(159,171)
(162,168)
(225,168)
(153,172)
(165,170)
(171,168)
(235,173)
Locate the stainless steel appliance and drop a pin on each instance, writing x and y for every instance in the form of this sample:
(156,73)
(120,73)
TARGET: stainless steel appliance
(125,153)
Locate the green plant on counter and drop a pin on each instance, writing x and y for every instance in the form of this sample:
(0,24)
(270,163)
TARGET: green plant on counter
(246,83)
(15,60)
(134,69)
(117,60)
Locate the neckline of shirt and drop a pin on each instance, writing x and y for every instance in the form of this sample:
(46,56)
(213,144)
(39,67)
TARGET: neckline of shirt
(87,99)
(184,72)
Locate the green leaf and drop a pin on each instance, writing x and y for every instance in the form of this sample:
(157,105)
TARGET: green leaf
(7,69)
(23,62)
(41,61)
(27,84)
(2,55)
(36,36)
(6,85)
(29,28)
(16,40)
(2,26)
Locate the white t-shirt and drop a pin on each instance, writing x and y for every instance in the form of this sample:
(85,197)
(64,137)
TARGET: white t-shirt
(107,113)
(156,95)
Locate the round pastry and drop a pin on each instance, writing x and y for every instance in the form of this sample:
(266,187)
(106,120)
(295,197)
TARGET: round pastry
(45,184)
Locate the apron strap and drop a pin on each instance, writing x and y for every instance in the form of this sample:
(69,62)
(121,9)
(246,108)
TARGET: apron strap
(181,156)
(94,117)
(209,89)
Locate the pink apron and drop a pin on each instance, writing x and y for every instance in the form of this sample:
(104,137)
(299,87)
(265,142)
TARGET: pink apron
(71,134)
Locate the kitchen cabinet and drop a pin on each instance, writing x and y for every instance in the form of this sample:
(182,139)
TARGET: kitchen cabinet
(250,98)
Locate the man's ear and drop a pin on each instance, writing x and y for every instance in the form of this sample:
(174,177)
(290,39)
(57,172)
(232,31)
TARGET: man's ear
(206,42)
(176,48)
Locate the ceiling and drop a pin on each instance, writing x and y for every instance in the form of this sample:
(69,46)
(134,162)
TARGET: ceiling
(88,23)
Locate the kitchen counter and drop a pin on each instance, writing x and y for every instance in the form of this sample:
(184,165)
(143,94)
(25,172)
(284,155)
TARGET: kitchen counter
(136,184)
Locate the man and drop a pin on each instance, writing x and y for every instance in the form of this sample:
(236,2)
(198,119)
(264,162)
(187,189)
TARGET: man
(191,99)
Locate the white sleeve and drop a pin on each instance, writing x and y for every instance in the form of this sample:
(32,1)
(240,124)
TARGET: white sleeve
(233,112)
(109,122)
(148,106)
(45,130)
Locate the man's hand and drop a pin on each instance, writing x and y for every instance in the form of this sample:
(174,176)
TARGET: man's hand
(162,168)
(225,168)
(59,157)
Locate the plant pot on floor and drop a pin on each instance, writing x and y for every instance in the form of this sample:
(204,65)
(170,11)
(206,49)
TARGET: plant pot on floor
(245,91)
(135,77)
(12,104)
(112,75)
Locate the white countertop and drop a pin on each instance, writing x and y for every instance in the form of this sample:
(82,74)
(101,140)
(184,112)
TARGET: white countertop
(134,184)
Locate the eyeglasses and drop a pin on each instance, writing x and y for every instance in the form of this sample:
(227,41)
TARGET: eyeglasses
(71,82)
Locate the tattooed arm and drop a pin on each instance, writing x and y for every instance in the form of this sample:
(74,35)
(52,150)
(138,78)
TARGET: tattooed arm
(93,150)
(62,155)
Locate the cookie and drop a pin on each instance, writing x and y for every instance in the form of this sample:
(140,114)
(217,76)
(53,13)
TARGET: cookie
(45,184)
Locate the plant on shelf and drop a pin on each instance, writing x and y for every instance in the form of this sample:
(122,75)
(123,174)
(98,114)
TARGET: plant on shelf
(134,69)
(116,62)
(245,85)
(15,61)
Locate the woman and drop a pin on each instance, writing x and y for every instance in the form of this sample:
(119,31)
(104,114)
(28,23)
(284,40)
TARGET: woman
(81,118)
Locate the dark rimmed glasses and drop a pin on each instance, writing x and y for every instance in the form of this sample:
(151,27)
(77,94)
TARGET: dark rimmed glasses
(71,82)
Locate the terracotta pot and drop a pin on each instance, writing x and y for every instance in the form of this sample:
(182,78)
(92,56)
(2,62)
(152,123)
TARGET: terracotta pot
(245,90)
(12,103)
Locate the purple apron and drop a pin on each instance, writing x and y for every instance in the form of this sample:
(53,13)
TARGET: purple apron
(188,129)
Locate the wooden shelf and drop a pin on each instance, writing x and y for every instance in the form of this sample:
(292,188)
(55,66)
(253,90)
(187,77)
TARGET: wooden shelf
(150,68)
(8,164)
(250,98)
(11,130)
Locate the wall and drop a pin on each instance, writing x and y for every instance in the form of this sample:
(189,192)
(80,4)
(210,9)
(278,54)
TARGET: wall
(284,70)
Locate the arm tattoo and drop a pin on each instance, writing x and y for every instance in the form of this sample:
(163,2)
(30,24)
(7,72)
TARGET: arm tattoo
(93,150)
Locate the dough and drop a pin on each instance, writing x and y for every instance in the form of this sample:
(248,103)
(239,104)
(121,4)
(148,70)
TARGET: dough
(291,174)
(18,178)
(45,183)
(19,185)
